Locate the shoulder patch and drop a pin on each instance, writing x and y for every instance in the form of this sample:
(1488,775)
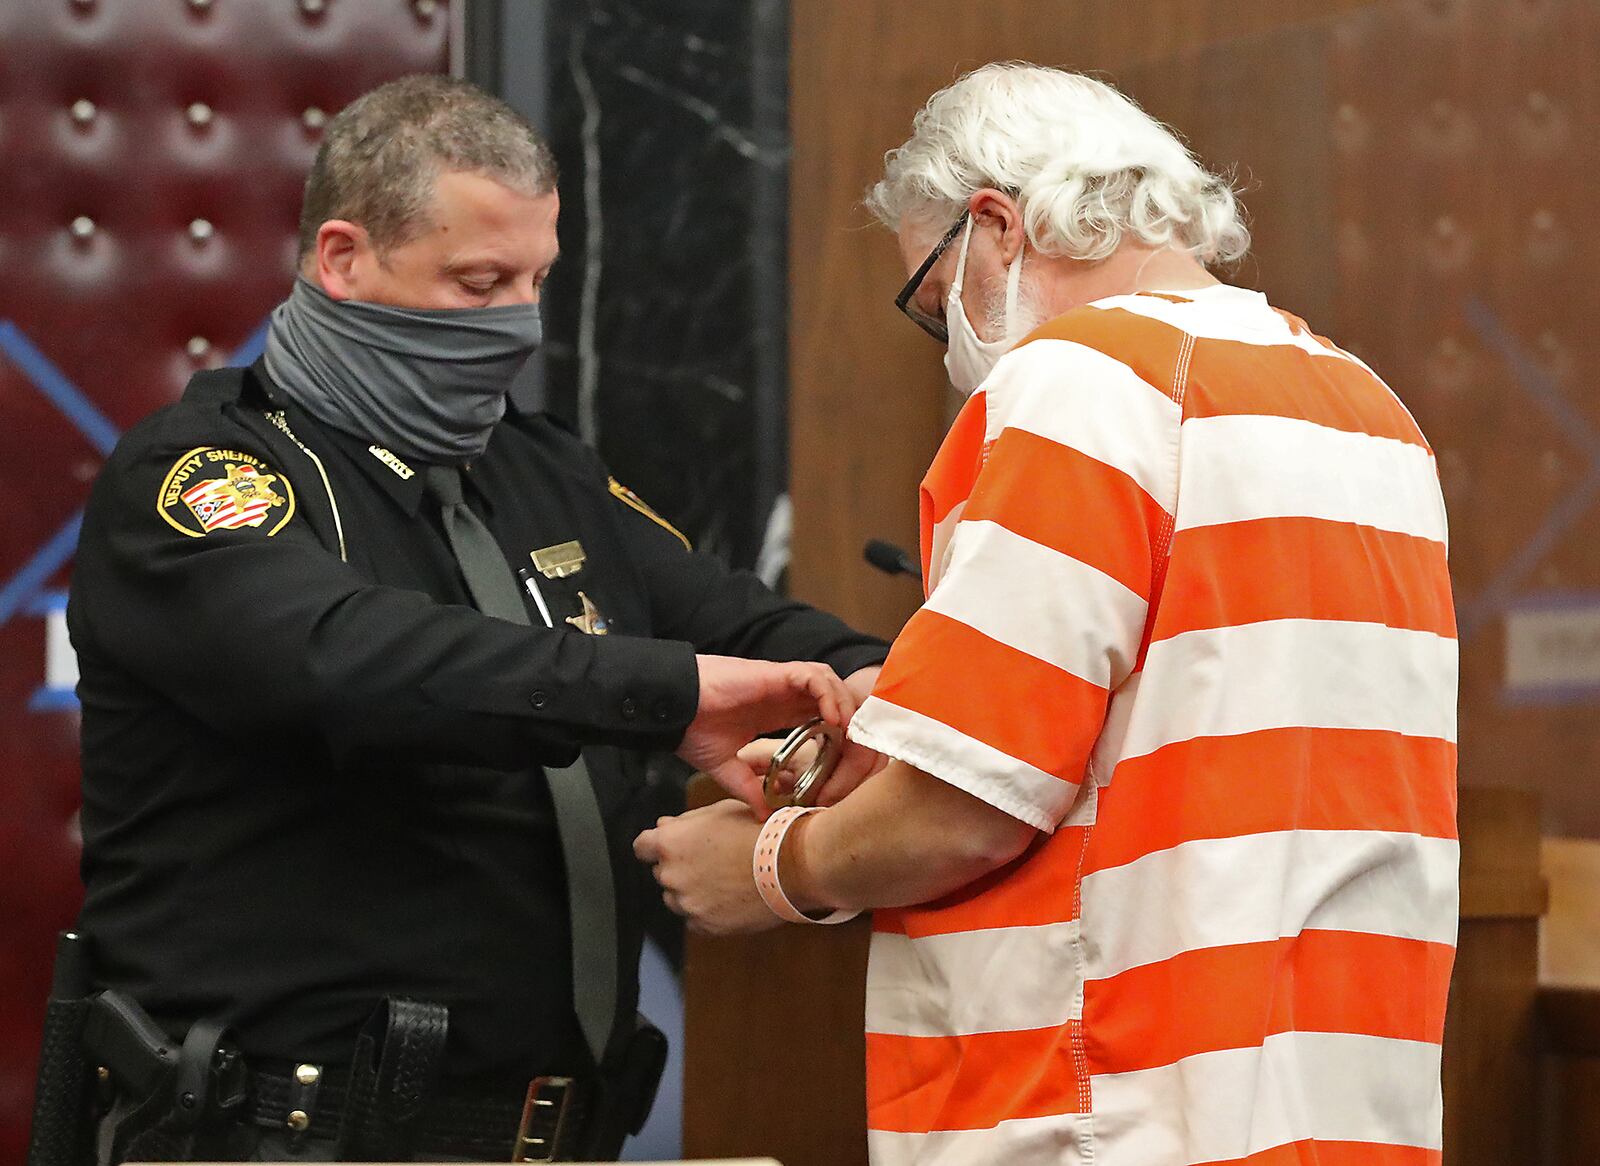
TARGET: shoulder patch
(628,498)
(209,489)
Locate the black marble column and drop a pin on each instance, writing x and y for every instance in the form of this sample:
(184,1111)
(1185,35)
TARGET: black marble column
(666,315)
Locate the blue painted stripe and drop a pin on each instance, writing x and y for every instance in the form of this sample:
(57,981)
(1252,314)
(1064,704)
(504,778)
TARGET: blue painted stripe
(53,700)
(53,383)
(46,603)
(1539,384)
(1556,600)
(1499,593)
(1551,694)
(21,588)
(252,347)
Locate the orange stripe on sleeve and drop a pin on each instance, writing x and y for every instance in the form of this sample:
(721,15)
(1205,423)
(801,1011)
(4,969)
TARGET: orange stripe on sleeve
(1304,568)
(916,1084)
(1319,1153)
(1254,783)
(1063,499)
(1236,996)
(1037,888)
(1004,698)
(1229,378)
(951,474)
(1150,347)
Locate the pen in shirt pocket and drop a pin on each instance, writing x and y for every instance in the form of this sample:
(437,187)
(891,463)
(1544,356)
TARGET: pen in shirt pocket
(532,587)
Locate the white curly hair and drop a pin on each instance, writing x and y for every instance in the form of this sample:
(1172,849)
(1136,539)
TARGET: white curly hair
(1089,168)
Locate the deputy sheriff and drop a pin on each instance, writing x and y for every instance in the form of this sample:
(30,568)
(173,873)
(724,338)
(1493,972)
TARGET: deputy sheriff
(344,619)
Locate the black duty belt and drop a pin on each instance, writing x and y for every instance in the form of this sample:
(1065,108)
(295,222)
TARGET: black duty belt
(544,1122)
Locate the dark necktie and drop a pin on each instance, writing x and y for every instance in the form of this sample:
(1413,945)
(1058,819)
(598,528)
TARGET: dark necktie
(591,897)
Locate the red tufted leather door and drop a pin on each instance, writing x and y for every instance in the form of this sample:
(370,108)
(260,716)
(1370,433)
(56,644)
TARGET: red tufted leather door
(151,159)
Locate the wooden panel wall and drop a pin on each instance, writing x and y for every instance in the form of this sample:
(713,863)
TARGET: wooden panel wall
(869,404)
(1418,174)
(1406,164)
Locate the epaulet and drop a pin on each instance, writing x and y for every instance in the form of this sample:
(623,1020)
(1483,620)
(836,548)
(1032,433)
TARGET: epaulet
(557,421)
(628,498)
(215,386)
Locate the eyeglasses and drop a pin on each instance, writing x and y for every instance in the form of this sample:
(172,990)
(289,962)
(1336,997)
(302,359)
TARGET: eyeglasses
(933,325)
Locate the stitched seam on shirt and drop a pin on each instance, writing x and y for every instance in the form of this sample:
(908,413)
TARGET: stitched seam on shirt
(280,422)
(942,767)
(1169,518)
(1078,1037)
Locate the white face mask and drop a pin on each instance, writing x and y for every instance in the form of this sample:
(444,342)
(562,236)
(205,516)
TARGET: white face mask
(967,359)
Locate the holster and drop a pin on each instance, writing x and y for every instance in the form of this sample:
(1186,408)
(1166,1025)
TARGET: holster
(61,1100)
(168,1099)
(396,1066)
(626,1089)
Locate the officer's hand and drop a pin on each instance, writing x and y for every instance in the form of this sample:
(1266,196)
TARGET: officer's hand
(702,861)
(743,699)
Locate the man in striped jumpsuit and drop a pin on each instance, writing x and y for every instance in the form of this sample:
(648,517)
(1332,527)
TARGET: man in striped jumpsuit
(1164,854)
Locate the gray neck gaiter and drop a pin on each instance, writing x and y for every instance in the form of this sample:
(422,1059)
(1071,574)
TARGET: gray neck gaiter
(429,384)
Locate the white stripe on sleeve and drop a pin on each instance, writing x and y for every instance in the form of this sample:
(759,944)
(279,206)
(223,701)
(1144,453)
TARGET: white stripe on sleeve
(1057,1140)
(1081,398)
(1218,1106)
(1026,793)
(1000,979)
(1242,467)
(1041,602)
(1285,673)
(1212,892)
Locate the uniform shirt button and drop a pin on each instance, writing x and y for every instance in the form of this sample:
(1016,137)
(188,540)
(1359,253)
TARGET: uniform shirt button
(630,708)
(539,699)
(661,711)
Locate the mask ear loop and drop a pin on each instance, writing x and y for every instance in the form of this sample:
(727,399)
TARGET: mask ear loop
(961,261)
(1014,289)
(1013,285)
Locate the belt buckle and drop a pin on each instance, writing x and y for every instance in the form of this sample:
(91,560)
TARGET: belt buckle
(544,1120)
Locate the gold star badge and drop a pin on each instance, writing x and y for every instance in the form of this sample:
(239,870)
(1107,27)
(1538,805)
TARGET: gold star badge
(591,622)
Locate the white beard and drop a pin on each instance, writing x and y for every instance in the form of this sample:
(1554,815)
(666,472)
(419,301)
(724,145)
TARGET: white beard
(1030,311)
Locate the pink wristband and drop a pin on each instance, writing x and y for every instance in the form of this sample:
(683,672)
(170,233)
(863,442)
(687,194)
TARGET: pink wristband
(764,863)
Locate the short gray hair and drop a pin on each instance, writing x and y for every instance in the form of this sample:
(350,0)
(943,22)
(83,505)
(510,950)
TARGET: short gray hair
(1088,167)
(382,153)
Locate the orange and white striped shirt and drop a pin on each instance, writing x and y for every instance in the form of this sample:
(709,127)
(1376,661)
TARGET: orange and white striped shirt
(1188,614)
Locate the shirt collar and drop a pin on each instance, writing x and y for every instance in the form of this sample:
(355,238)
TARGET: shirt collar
(396,477)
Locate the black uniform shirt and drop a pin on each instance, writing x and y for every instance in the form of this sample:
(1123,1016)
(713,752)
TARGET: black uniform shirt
(311,768)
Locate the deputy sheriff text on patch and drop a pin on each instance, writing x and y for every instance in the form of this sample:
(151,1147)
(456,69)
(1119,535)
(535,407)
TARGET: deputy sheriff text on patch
(210,489)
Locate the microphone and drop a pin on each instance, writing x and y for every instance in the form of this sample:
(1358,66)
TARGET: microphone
(890,559)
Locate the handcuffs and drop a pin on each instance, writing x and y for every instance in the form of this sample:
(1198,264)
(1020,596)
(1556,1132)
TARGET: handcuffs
(830,747)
